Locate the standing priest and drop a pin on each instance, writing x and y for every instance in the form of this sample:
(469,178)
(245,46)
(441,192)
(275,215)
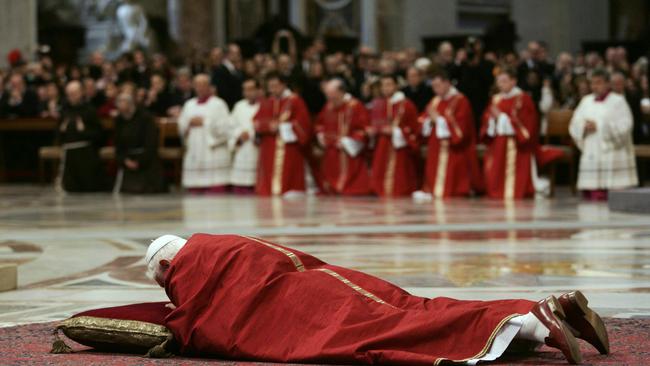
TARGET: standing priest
(510,130)
(283,128)
(204,125)
(395,129)
(452,167)
(341,131)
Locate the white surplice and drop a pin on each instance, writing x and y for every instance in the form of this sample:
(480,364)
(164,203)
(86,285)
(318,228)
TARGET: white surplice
(244,165)
(207,160)
(607,160)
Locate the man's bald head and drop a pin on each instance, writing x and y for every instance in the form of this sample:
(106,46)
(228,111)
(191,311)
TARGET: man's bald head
(74,92)
(334,90)
(202,85)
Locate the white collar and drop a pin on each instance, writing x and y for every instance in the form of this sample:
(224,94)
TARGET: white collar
(452,92)
(347,97)
(398,96)
(512,93)
(286,93)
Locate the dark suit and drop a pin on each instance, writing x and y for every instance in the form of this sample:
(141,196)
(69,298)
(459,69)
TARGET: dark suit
(228,84)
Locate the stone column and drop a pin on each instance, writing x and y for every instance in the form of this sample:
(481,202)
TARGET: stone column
(18,28)
(197,25)
(369,23)
(297,15)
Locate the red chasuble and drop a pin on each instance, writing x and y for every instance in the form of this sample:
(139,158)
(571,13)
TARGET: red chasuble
(394,171)
(452,167)
(243,298)
(508,159)
(281,166)
(339,171)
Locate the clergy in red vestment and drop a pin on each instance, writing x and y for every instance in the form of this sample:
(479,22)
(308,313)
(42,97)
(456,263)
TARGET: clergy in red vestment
(283,128)
(341,131)
(243,298)
(510,131)
(447,123)
(395,131)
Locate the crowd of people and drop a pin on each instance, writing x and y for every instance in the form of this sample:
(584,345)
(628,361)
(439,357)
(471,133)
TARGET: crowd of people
(287,122)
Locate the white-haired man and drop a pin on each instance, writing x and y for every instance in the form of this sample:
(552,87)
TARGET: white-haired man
(204,125)
(240,297)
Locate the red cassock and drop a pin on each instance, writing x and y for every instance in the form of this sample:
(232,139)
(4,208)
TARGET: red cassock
(281,166)
(243,298)
(509,158)
(452,167)
(341,172)
(394,170)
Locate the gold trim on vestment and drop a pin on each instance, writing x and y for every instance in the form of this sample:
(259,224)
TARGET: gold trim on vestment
(278,166)
(343,128)
(441,171)
(511,167)
(488,344)
(389,176)
(294,258)
(300,267)
(355,287)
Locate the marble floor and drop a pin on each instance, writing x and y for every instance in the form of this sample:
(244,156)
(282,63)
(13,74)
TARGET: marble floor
(77,252)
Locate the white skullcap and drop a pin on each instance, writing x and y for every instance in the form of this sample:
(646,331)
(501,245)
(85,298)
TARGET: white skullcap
(160,243)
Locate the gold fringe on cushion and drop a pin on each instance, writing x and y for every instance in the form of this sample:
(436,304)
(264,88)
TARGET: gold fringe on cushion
(162,350)
(59,346)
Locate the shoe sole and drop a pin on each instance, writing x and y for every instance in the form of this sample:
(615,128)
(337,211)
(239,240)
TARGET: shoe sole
(600,337)
(571,341)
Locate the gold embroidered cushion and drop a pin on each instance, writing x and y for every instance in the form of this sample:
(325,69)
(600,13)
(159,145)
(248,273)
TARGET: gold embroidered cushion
(132,328)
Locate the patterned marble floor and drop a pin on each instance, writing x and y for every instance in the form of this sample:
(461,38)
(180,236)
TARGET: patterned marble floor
(81,252)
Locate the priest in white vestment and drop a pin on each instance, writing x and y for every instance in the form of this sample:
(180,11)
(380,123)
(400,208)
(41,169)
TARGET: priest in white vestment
(602,129)
(242,139)
(204,127)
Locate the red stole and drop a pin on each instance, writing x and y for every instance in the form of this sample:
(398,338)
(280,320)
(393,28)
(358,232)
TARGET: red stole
(340,172)
(281,165)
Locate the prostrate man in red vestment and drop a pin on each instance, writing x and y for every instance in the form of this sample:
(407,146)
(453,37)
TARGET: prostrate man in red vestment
(244,298)
(283,127)
(510,129)
(395,128)
(447,122)
(341,131)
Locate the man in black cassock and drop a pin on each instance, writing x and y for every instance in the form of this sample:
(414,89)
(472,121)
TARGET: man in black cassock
(136,149)
(81,135)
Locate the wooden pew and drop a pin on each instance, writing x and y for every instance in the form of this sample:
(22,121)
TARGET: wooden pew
(558,121)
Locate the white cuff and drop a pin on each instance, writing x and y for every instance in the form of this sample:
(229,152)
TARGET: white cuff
(442,129)
(491,130)
(286,133)
(398,138)
(351,146)
(427,128)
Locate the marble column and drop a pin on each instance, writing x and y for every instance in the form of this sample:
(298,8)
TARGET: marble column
(369,23)
(18,28)
(297,14)
(196,25)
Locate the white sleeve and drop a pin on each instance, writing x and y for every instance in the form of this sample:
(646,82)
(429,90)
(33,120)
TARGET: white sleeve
(286,132)
(442,128)
(427,128)
(618,124)
(504,126)
(577,125)
(398,138)
(183,120)
(218,124)
(351,146)
(492,129)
